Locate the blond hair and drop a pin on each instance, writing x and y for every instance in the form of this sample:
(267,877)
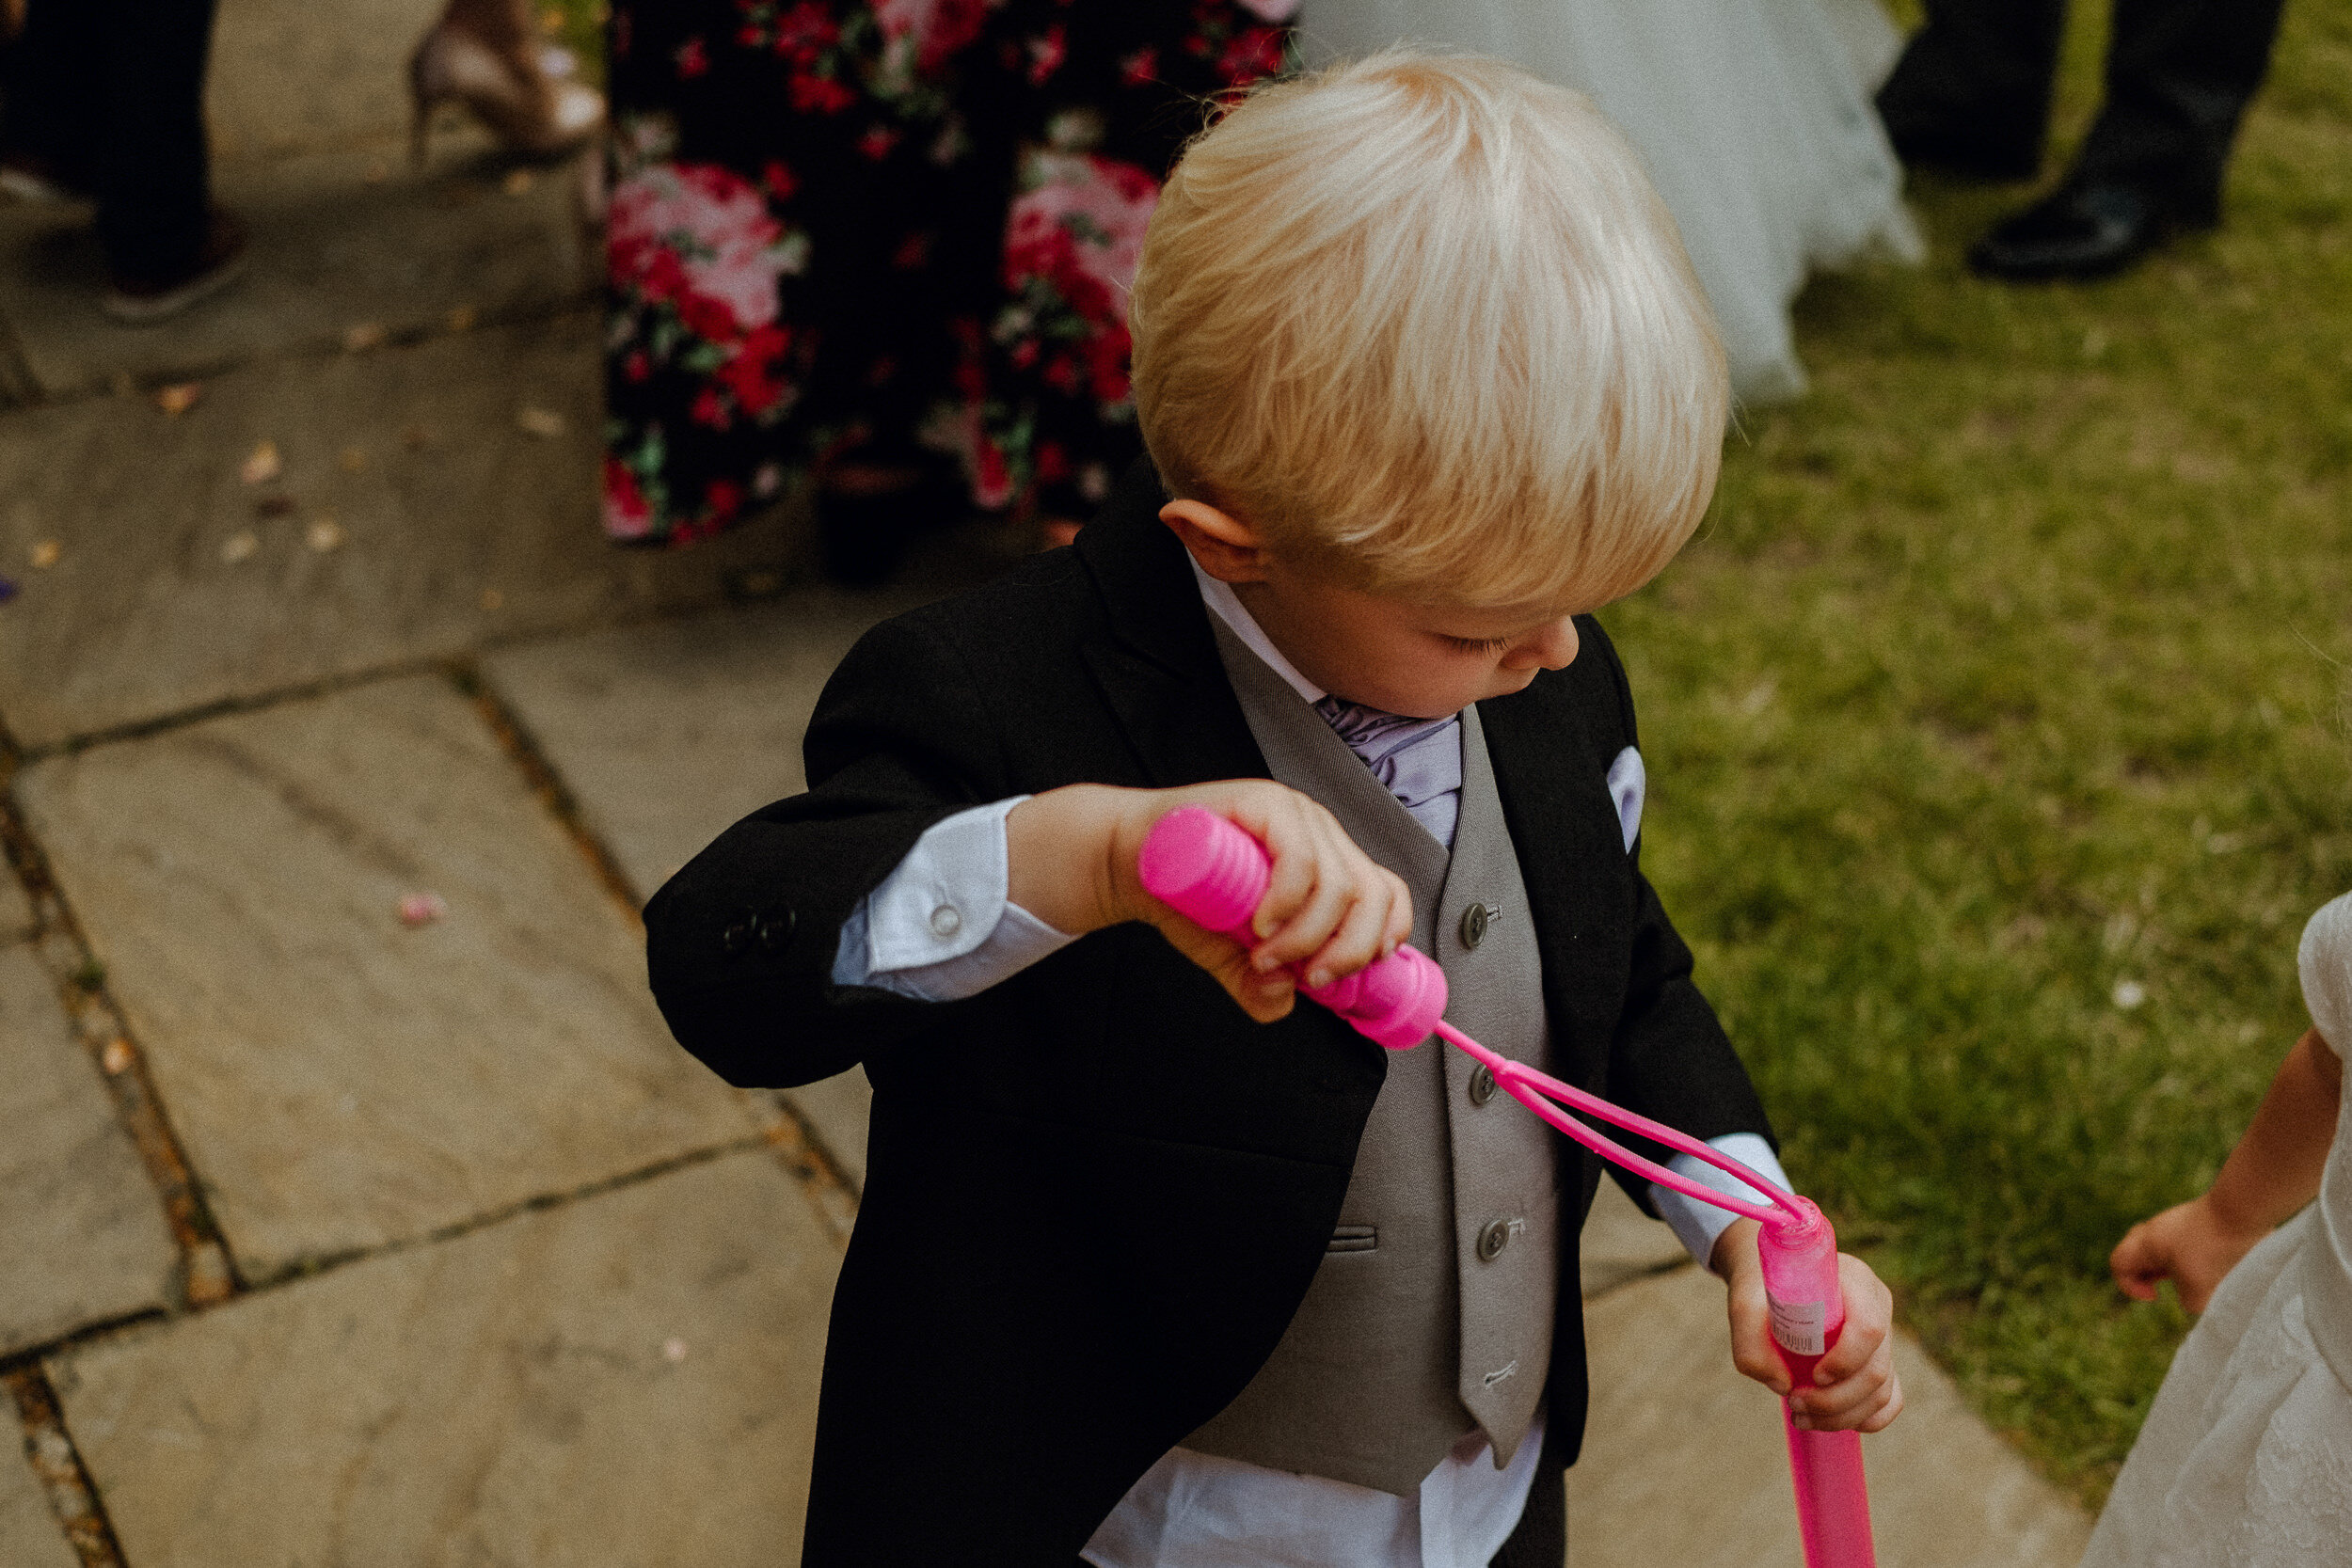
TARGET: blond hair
(1423,317)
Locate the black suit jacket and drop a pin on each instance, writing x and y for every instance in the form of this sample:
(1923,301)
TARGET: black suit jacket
(1096,1192)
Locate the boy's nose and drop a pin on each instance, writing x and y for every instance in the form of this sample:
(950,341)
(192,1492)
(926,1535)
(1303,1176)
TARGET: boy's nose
(1553,648)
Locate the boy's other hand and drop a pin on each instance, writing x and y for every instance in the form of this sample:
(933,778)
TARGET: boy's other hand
(1328,910)
(2190,1244)
(1854,1387)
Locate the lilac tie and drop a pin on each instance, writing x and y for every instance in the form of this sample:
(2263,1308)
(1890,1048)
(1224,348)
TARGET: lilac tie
(1417,760)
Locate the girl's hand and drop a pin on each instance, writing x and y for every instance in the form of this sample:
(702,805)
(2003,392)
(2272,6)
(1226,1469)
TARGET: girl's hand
(1330,909)
(2189,1243)
(1854,1388)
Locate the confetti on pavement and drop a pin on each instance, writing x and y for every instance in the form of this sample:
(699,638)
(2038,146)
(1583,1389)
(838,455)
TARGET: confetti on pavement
(546,423)
(262,466)
(46,554)
(421,908)
(178,399)
(239,546)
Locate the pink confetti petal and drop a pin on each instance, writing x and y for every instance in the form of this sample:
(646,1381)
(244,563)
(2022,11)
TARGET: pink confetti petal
(421,908)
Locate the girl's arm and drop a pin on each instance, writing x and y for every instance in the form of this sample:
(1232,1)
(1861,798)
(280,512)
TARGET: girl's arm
(2273,1171)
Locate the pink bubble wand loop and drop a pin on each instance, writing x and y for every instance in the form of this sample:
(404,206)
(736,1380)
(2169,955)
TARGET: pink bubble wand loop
(1210,871)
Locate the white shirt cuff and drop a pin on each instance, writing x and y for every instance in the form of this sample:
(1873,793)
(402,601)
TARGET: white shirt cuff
(1699,1223)
(941,926)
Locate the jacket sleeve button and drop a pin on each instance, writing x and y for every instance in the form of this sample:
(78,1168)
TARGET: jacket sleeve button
(738,935)
(775,930)
(1493,1239)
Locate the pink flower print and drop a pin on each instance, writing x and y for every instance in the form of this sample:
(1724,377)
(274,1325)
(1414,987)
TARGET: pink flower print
(692,59)
(807,31)
(877,142)
(937,28)
(1047,52)
(1271,11)
(1080,230)
(960,430)
(1251,54)
(626,512)
(700,236)
(991,484)
(819,94)
(1140,68)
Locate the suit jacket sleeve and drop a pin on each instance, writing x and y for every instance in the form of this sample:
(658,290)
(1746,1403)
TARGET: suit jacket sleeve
(740,943)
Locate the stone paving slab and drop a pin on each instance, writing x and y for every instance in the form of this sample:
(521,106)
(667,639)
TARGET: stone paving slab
(666,734)
(82,1231)
(338,1080)
(339,241)
(1620,1244)
(1684,1461)
(16,909)
(30,1536)
(628,1381)
(450,527)
(669,733)
(289,74)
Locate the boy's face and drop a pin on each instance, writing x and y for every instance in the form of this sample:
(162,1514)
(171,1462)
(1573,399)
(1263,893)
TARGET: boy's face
(1392,654)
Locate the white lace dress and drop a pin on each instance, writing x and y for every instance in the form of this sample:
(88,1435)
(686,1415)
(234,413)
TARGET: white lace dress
(2245,1461)
(1754,116)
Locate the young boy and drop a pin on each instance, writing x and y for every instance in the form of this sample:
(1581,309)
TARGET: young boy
(1141,1275)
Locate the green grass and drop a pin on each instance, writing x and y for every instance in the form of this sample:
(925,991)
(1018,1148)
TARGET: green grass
(2009,666)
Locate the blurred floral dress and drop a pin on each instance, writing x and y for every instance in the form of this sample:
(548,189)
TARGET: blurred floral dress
(876,230)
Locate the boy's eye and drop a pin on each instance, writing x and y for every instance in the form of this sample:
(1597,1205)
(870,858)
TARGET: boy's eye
(1478,644)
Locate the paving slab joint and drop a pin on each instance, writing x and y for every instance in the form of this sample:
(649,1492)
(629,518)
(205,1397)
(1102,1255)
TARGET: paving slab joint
(19,387)
(548,785)
(312,1266)
(72,1495)
(828,1184)
(208,1275)
(1633,1274)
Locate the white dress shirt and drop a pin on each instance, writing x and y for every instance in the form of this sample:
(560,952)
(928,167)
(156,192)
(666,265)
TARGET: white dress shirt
(942,927)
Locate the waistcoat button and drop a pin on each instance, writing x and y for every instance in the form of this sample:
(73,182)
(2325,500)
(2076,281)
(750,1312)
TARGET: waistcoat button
(1474,931)
(1482,1084)
(1493,1239)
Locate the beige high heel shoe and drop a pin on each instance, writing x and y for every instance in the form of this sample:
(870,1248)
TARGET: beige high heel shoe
(525,96)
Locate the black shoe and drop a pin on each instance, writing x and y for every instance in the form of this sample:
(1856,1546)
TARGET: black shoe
(2086,229)
(137,301)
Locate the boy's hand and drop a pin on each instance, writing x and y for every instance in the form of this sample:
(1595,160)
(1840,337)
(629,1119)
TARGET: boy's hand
(2190,1244)
(1854,1388)
(1330,909)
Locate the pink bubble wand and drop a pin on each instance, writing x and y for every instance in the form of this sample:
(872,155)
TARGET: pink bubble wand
(1210,871)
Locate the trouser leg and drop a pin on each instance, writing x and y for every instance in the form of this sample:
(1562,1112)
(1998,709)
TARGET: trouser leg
(1541,1538)
(155,192)
(1973,85)
(2180,73)
(52,83)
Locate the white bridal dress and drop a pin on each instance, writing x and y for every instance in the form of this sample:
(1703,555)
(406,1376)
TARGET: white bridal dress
(1755,118)
(2245,1461)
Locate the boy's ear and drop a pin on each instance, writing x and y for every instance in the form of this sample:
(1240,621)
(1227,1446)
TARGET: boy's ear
(1228,548)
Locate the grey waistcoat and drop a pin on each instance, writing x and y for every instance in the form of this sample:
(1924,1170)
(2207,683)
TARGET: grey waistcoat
(1432,1313)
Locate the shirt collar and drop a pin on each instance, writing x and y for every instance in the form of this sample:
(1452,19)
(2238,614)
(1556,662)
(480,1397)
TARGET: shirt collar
(1226,606)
